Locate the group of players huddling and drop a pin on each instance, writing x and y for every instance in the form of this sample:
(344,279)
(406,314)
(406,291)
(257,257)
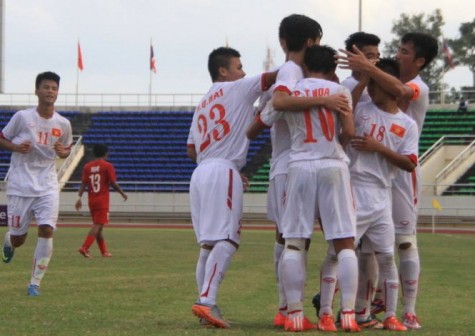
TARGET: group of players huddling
(345,154)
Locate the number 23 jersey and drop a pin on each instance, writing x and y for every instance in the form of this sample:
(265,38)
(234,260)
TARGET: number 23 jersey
(218,129)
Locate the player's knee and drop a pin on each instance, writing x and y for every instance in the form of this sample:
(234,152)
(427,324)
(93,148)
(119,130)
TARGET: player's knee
(297,244)
(406,242)
(385,259)
(17,241)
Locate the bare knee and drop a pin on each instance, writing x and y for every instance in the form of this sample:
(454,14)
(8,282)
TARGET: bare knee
(17,241)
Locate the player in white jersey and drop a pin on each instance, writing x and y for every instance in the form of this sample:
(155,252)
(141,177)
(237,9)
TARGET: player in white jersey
(386,140)
(218,142)
(356,83)
(416,51)
(35,136)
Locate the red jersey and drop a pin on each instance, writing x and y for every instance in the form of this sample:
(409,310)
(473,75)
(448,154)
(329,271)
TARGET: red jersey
(98,175)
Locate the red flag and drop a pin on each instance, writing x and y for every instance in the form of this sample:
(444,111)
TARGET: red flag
(153,66)
(398,130)
(80,63)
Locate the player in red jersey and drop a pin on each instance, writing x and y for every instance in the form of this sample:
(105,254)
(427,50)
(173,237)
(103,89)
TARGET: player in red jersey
(97,176)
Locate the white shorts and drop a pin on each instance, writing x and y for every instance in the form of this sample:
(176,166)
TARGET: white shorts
(373,218)
(276,199)
(216,200)
(406,192)
(319,188)
(21,210)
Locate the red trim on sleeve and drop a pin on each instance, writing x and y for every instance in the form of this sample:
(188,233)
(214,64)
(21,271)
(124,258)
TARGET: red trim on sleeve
(416,89)
(413,158)
(190,145)
(259,121)
(283,89)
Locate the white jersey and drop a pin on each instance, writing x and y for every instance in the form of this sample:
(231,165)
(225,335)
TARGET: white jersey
(314,134)
(350,83)
(218,129)
(419,104)
(395,131)
(34,174)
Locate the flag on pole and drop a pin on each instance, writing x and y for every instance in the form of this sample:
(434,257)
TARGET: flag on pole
(80,63)
(436,205)
(448,57)
(153,65)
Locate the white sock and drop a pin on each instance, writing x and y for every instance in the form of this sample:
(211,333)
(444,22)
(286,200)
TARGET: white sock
(409,270)
(292,275)
(278,249)
(328,279)
(347,278)
(200,268)
(43,252)
(389,275)
(216,267)
(365,286)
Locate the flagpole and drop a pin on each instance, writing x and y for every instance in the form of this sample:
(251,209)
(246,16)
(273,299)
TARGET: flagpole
(77,75)
(150,79)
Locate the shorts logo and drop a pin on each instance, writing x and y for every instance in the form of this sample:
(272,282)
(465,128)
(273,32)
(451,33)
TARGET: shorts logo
(404,223)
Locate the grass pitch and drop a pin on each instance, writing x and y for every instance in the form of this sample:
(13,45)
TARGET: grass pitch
(148,286)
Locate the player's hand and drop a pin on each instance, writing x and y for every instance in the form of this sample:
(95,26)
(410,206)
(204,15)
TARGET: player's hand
(78,205)
(125,197)
(60,150)
(24,147)
(355,61)
(245,182)
(365,143)
(338,103)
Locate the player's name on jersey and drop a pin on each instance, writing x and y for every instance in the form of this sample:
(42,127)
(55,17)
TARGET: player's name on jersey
(208,100)
(320,92)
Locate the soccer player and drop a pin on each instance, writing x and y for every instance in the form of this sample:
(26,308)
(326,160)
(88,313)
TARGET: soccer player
(386,140)
(294,30)
(416,51)
(357,82)
(97,176)
(218,143)
(36,137)
(319,187)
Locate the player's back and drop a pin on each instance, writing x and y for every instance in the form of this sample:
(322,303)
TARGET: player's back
(315,133)
(218,129)
(98,175)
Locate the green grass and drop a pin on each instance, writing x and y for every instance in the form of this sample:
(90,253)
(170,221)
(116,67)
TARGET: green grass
(147,288)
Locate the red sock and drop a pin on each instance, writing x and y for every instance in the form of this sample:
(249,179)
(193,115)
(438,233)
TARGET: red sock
(88,242)
(102,245)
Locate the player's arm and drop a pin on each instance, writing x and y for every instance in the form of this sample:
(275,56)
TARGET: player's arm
(347,127)
(268,79)
(6,144)
(117,188)
(191,152)
(284,101)
(78,204)
(369,144)
(357,61)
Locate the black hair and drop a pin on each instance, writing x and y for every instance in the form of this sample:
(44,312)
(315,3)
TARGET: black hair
(320,59)
(424,45)
(48,75)
(100,150)
(361,39)
(296,29)
(389,66)
(218,58)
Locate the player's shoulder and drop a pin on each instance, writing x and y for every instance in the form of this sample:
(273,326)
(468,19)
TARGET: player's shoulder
(419,83)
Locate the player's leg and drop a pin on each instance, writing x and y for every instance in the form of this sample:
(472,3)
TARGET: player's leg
(45,209)
(19,218)
(102,220)
(98,218)
(275,206)
(409,270)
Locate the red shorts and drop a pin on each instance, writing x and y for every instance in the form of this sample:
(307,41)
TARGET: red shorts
(100,216)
